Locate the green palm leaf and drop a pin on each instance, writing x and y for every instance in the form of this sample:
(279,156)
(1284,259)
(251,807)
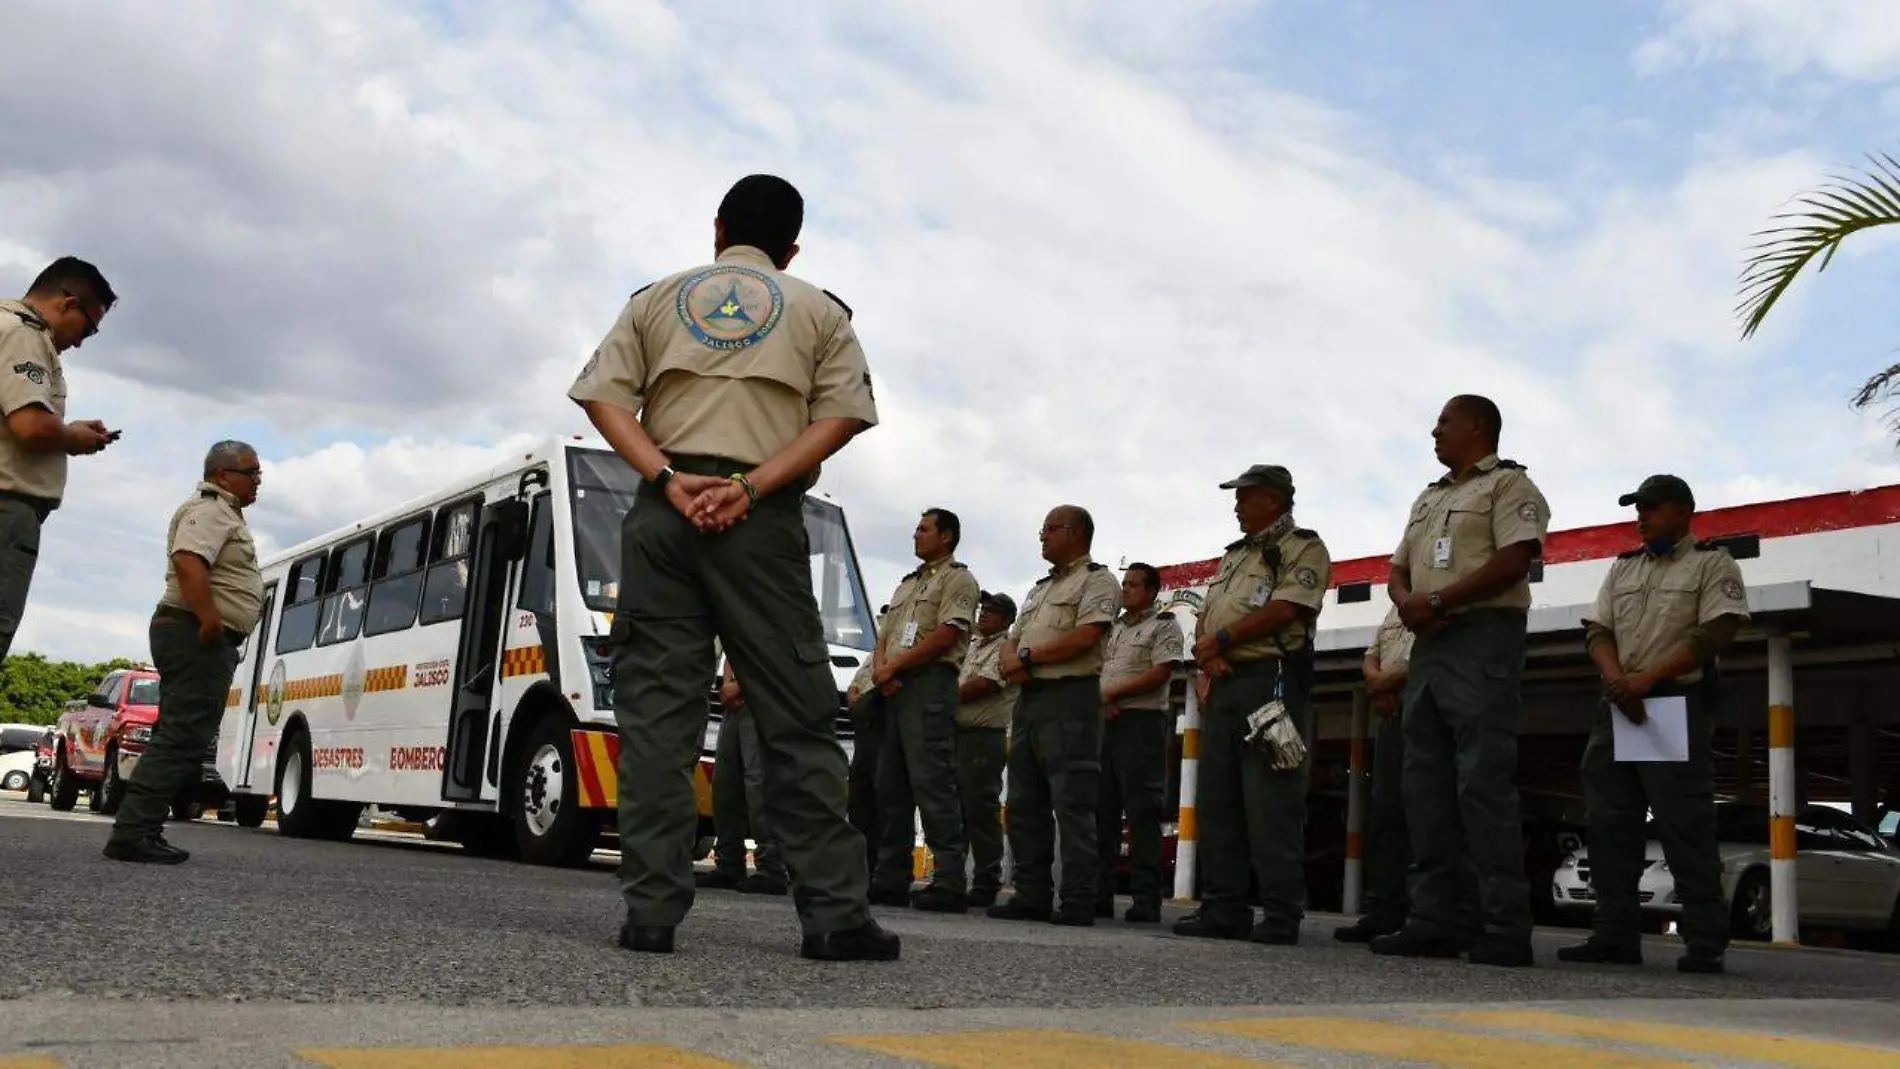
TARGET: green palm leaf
(1821,219)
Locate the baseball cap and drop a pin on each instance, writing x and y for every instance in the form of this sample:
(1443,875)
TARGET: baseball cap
(1271,476)
(1659,489)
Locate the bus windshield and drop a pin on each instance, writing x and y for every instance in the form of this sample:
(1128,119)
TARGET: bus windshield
(603,487)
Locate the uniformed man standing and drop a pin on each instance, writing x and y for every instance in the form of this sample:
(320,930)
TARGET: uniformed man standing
(738,790)
(1388,846)
(61,309)
(726,386)
(1055,749)
(866,708)
(213,594)
(1137,665)
(985,704)
(1460,579)
(1254,645)
(919,649)
(1664,614)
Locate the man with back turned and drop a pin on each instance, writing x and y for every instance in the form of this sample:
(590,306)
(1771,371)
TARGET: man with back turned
(726,386)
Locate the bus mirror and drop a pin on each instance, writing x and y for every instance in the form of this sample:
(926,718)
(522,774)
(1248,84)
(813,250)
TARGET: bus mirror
(511,529)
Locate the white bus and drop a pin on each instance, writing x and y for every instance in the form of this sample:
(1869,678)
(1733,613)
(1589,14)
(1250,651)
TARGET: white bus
(450,657)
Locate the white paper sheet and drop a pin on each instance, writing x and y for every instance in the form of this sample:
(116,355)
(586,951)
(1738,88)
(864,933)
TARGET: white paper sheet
(1663,737)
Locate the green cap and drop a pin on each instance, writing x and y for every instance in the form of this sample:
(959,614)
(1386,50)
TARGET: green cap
(1658,490)
(1271,476)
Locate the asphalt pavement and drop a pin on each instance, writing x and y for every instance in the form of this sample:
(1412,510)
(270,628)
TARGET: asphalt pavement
(273,944)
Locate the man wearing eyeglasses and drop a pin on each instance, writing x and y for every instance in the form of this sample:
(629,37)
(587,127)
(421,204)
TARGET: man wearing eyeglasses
(213,594)
(61,309)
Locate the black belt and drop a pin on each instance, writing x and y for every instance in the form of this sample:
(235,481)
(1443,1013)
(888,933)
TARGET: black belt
(1249,669)
(173,612)
(1065,681)
(41,506)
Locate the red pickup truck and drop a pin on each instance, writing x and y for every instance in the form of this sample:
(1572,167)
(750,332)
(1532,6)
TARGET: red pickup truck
(98,743)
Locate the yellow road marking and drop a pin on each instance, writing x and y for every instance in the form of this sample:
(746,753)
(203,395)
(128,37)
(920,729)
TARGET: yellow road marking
(622,1056)
(1035,1049)
(1758,1047)
(30,1061)
(1433,1046)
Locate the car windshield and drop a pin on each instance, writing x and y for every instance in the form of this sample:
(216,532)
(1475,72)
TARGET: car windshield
(143,692)
(603,489)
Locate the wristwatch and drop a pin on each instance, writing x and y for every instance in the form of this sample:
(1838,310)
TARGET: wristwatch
(1222,638)
(1023,655)
(665,476)
(1438,605)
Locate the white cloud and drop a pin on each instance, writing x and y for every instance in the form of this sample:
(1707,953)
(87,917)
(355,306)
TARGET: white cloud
(1857,39)
(1087,266)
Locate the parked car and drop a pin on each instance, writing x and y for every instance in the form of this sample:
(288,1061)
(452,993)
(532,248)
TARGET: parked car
(99,743)
(16,770)
(1846,876)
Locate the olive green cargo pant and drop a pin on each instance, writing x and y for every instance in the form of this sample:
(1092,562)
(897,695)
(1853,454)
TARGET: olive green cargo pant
(1461,710)
(750,586)
(194,678)
(1055,761)
(982,758)
(1681,795)
(19,554)
(1388,842)
(738,797)
(1248,811)
(1135,781)
(917,780)
(867,738)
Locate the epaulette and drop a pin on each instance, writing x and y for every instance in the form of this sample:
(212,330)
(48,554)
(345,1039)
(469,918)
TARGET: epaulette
(1631,555)
(1710,546)
(1044,579)
(907,578)
(639,291)
(1305,532)
(1094,567)
(207,493)
(840,302)
(30,318)
(1231,546)
(1511,464)
(1165,614)
(959,564)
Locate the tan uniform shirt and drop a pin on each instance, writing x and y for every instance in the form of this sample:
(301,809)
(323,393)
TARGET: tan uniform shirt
(943,592)
(1649,603)
(30,374)
(985,660)
(1063,600)
(1392,646)
(211,527)
(733,359)
(1137,645)
(1458,525)
(1293,567)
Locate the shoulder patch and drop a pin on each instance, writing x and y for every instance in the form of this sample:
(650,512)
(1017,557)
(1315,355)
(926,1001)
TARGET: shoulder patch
(1732,590)
(1511,465)
(839,301)
(33,372)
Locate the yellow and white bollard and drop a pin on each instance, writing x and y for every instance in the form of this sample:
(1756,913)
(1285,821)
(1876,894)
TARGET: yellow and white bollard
(1781,793)
(1187,833)
(1356,785)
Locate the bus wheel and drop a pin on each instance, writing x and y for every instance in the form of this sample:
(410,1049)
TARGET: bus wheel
(250,810)
(301,816)
(550,826)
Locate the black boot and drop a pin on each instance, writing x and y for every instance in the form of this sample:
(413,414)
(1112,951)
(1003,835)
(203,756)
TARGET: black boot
(1412,943)
(1594,951)
(866,942)
(1365,930)
(1017,910)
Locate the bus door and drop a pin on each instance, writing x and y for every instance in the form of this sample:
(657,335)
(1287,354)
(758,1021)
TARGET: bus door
(252,681)
(474,742)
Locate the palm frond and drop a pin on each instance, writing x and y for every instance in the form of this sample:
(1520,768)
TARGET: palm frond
(1818,222)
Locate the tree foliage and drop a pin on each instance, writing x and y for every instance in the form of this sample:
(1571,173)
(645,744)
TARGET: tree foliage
(34,690)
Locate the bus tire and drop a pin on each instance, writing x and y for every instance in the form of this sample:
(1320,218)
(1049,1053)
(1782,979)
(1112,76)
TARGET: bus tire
(299,815)
(550,826)
(250,810)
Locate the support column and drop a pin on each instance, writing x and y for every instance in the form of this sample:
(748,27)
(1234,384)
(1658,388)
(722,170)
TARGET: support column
(1356,784)
(1781,792)
(1187,833)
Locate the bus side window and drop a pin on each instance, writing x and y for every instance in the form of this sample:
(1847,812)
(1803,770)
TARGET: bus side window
(445,587)
(347,581)
(297,624)
(393,596)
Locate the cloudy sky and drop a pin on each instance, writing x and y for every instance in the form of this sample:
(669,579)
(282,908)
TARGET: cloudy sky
(1108,253)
